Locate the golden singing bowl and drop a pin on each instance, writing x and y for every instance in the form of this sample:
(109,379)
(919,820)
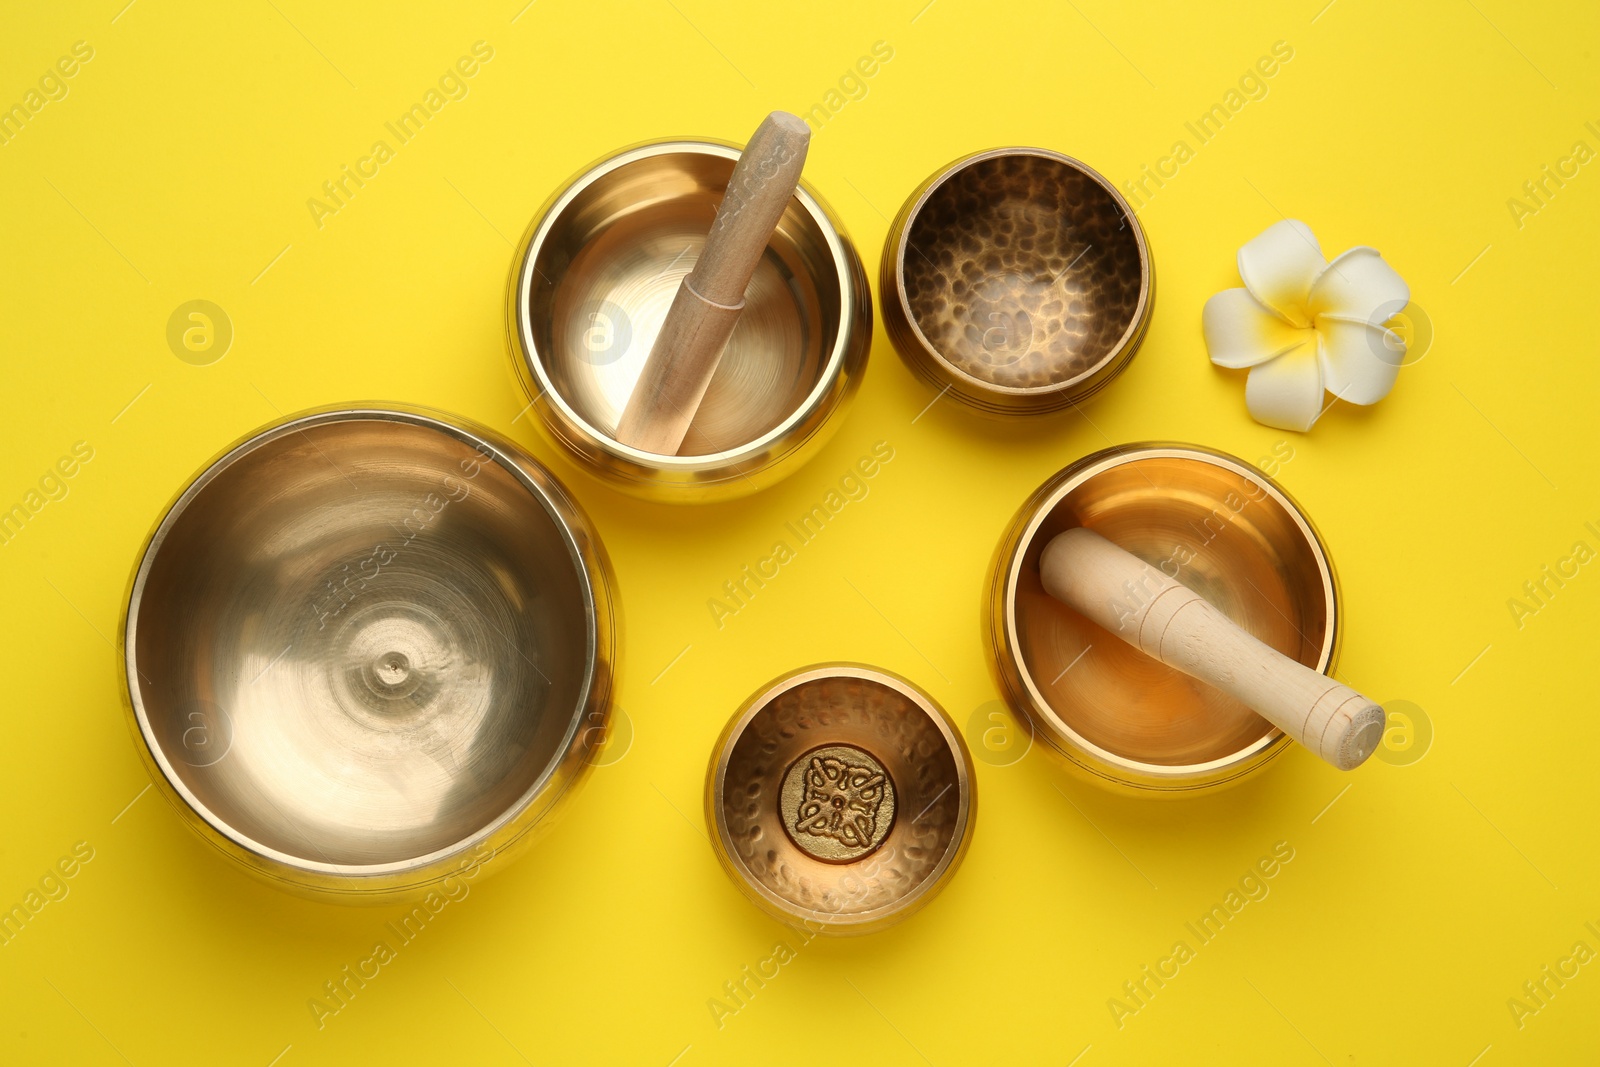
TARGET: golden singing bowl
(1018,279)
(590,287)
(840,798)
(368,651)
(1214,523)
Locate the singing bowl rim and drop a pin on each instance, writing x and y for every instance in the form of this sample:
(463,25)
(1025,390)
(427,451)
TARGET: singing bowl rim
(510,828)
(839,373)
(786,910)
(928,361)
(1017,684)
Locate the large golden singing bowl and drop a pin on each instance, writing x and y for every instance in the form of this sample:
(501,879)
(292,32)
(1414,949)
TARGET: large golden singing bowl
(840,798)
(1017,279)
(368,651)
(590,287)
(1214,523)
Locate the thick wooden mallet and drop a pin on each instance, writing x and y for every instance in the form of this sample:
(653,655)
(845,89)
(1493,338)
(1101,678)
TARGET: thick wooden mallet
(1166,619)
(708,303)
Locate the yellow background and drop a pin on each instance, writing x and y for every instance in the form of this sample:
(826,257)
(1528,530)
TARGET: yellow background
(178,168)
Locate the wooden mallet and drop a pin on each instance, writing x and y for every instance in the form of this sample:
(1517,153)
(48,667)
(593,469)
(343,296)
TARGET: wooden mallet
(1164,618)
(711,296)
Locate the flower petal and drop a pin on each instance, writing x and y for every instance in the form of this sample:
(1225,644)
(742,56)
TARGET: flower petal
(1359,361)
(1286,392)
(1359,284)
(1241,332)
(1279,265)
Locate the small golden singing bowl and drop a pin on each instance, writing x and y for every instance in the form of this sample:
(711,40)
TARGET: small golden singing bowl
(1212,522)
(368,651)
(590,287)
(1017,279)
(840,798)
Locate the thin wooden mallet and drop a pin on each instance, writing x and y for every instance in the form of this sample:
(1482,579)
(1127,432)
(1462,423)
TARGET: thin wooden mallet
(1166,619)
(711,297)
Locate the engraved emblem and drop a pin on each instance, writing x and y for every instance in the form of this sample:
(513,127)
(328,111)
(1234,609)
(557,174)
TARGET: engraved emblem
(837,803)
(841,801)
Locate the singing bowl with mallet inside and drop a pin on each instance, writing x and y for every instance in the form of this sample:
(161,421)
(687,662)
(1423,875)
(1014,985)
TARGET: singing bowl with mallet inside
(590,287)
(1213,523)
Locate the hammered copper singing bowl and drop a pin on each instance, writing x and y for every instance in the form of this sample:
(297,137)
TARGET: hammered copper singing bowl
(840,797)
(367,649)
(590,289)
(1017,279)
(1218,525)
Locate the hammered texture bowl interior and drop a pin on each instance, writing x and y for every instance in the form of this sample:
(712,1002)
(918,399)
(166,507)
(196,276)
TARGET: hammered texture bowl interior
(908,833)
(606,273)
(1022,271)
(359,643)
(1219,533)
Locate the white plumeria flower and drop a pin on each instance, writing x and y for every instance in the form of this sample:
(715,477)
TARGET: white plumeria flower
(1303,325)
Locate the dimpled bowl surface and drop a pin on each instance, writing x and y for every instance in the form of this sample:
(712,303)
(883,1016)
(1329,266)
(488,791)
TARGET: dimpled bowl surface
(1019,279)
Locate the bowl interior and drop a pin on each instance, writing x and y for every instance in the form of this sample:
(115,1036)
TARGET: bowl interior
(875,799)
(360,642)
(608,269)
(1022,271)
(1218,532)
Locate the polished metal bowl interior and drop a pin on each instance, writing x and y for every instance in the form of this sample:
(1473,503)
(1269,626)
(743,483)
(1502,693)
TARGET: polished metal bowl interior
(840,796)
(1018,277)
(363,643)
(1213,522)
(597,275)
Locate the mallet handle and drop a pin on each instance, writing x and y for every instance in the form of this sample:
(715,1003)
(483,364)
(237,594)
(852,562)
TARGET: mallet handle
(1166,619)
(711,296)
